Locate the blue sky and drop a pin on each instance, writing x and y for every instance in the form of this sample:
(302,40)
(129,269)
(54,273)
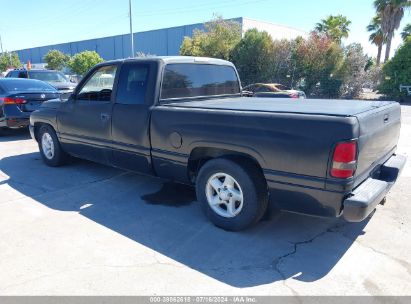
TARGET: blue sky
(31,23)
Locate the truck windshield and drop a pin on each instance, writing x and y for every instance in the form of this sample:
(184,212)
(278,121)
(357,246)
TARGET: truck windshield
(198,80)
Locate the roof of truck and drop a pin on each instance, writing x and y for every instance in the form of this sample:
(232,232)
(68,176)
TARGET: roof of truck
(176,59)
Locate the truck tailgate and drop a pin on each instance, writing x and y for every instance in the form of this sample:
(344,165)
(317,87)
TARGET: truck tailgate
(378,136)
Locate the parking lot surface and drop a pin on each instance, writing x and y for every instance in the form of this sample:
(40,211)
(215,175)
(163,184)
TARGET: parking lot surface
(87,229)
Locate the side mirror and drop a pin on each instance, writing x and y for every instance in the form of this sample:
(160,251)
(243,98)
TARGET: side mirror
(247,93)
(72,97)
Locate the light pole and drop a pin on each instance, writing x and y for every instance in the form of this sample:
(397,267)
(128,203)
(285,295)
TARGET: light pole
(131,29)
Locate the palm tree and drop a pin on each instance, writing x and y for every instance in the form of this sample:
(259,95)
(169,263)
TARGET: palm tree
(406,32)
(335,27)
(391,12)
(376,36)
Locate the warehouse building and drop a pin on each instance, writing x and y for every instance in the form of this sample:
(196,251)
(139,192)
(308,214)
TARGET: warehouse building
(161,42)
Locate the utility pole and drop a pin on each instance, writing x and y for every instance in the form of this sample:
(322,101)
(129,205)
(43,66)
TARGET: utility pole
(131,29)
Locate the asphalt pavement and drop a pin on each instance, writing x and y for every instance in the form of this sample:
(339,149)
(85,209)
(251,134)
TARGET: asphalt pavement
(87,229)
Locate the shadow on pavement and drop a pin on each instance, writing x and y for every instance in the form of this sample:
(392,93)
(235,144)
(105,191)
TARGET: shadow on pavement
(14,134)
(283,246)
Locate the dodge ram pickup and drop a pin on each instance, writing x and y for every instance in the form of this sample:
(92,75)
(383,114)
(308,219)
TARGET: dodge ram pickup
(185,119)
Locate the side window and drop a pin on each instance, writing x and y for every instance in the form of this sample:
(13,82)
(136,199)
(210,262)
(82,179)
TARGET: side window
(13,74)
(263,89)
(23,74)
(99,86)
(132,84)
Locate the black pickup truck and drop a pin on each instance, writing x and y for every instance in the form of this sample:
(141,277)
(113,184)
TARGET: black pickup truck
(185,119)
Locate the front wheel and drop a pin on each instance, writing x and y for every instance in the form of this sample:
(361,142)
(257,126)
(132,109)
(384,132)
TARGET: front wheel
(233,196)
(50,149)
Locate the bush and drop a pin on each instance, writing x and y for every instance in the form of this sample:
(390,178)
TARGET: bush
(397,72)
(9,60)
(253,57)
(82,62)
(56,60)
(220,37)
(318,63)
(354,70)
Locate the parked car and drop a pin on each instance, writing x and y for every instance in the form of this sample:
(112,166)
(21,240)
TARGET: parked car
(57,79)
(273,90)
(20,97)
(184,119)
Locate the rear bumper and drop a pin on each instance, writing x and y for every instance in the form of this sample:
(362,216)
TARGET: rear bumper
(371,192)
(15,122)
(12,117)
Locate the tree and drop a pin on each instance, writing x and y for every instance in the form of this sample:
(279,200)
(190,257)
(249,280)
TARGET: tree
(218,39)
(56,60)
(253,57)
(391,12)
(406,32)
(376,36)
(82,62)
(9,60)
(335,27)
(397,71)
(318,65)
(283,64)
(354,70)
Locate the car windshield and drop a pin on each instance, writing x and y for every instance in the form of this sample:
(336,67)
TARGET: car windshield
(20,85)
(48,76)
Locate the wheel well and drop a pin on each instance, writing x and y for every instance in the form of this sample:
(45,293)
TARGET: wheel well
(199,156)
(37,126)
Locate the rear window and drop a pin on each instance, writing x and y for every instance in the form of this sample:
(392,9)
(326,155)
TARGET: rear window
(26,85)
(197,80)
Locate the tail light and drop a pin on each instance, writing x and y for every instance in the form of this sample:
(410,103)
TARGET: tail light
(344,161)
(294,95)
(10,100)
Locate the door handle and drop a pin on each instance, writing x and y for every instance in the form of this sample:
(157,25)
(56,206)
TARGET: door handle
(104,116)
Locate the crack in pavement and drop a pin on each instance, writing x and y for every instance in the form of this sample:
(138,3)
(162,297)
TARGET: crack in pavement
(276,263)
(332,229)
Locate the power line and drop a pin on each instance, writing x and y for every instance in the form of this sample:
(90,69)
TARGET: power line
(202,7)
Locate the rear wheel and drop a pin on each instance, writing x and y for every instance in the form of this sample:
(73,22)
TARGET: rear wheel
(50,149)
(233,196)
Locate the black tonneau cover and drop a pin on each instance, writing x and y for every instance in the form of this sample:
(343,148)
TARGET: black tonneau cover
(285,105)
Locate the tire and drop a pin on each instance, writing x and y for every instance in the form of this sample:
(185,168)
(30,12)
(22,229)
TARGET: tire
(50,149)
(241,203)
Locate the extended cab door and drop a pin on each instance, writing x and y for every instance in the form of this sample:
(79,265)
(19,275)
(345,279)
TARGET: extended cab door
(131,116)
(84,121)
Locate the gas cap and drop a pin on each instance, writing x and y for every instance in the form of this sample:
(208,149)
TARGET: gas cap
(176,140)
